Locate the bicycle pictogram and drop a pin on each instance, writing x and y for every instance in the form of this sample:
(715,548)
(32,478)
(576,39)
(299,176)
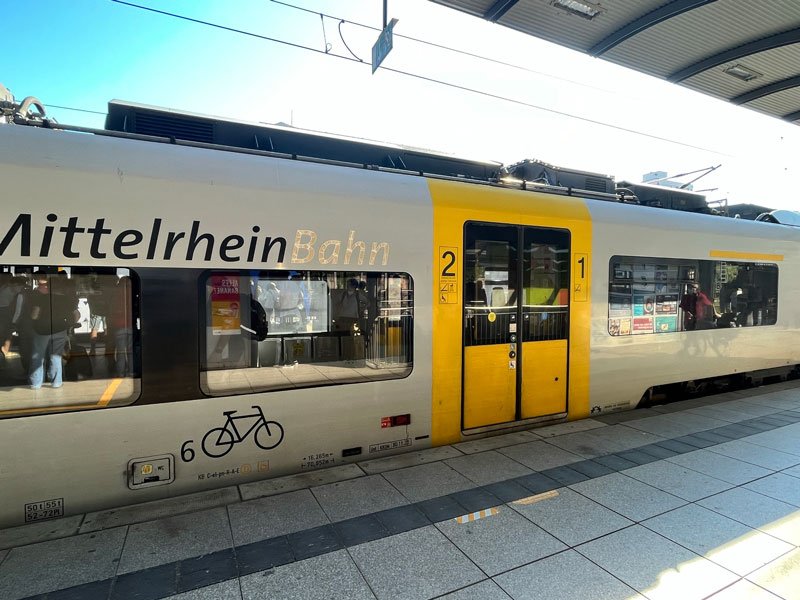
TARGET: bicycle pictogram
(219,441)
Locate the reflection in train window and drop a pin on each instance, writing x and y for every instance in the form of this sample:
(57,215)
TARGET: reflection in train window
(660,295)
(275,330)
(70,339)
(504,287)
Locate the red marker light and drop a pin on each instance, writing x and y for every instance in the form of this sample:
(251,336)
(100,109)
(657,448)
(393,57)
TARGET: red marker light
(401,420)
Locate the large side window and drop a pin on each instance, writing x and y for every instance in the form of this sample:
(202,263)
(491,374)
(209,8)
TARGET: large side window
(70,339)
(661,295)
(274,330)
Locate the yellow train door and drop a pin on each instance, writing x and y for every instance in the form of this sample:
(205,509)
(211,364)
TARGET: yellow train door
(516,322)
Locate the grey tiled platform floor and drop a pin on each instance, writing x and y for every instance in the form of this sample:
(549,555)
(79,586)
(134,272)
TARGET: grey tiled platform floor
(693,500)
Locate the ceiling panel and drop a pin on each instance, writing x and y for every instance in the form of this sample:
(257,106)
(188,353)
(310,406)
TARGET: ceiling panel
(691,42)
(782,103)
(770,67)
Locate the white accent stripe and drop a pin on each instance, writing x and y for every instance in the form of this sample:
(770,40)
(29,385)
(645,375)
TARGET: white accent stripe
(481,514)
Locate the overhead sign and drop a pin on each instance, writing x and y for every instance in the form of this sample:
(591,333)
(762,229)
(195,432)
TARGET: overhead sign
(383,46)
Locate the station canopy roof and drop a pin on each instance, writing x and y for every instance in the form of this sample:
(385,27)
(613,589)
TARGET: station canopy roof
(743,51)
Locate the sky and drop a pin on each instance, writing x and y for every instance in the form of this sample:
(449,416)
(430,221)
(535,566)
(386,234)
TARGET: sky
(517,98)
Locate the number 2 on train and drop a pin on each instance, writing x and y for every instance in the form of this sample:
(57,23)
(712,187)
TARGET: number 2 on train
(447,267)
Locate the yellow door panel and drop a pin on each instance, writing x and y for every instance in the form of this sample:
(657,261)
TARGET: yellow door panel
(489,386)
(455,203)
(544,378)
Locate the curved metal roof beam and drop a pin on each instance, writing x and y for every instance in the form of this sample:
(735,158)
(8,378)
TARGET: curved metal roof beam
(663,13)
(778,40)
(498,9)
(766,90)
(795,116)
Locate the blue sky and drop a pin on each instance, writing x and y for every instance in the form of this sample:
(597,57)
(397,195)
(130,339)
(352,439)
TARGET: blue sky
(83,53)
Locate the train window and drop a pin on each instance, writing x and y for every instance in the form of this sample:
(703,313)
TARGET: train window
(545,283)
(274,330)
(504,287)
(658,295)
(70,339)
(491,268)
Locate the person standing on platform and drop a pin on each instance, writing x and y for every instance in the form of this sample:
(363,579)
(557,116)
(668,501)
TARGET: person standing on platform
(53,313)
(697,309)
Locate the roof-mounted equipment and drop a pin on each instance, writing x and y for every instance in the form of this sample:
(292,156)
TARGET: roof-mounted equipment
(22,113)
(782,217)
(664,197)
(536,171)
(130,117)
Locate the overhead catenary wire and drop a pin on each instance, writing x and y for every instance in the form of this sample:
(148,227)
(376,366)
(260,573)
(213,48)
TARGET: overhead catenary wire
(443,47)
(325,35)
(341,35)
(94,112)
(423,78)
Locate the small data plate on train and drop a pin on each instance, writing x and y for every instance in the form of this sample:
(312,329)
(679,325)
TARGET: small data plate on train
(383,447)
(44,509)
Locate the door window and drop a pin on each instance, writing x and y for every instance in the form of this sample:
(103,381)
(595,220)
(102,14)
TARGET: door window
(490,281)
(545,277)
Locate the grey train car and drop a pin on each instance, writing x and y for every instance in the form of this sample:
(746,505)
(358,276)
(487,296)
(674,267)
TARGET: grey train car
(179,317)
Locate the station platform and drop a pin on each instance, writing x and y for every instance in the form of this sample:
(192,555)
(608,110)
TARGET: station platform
(691,500)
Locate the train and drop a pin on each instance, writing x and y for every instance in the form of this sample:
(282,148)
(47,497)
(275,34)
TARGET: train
(181,316)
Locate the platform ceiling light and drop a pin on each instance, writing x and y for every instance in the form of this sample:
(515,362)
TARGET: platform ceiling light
(587,10)
(742,72)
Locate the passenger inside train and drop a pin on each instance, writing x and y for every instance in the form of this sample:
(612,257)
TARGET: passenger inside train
(659,295)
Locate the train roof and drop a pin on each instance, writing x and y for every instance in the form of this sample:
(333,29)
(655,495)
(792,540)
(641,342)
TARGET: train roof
(157,124)
(131,117)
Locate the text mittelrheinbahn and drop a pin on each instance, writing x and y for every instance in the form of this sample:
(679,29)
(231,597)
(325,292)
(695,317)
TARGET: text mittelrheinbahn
(66,240)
